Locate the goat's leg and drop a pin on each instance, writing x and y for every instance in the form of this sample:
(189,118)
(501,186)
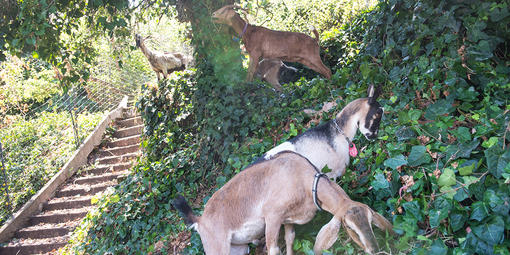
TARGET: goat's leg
(157,74)
(165,73)
(272,77)
(290,234)
(317,66)
(254,62)
(272,231)
(215,243)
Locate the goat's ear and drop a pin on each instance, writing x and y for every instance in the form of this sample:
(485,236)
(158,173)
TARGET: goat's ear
(381,222)
(327,236)
(373,93)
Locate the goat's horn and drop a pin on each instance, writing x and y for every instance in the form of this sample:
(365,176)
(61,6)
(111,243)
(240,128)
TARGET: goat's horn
(235,6)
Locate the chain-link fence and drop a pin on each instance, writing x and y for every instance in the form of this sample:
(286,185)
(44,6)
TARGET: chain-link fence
(37,144)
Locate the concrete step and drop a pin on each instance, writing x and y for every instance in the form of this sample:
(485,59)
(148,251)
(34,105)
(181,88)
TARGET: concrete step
(129,113)
(108,168)
(129,131)
(119,151)
(126,141)
(129,122)
(31,246)
(83,190)
(59,216)
(117,159)
(42,231)
(93,179)
(67,203)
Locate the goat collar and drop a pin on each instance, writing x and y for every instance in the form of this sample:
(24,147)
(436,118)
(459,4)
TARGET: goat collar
(244,30)
(352,147)
(314,189)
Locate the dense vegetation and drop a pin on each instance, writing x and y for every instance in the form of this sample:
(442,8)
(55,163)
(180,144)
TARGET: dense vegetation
(439,170)
(34,150)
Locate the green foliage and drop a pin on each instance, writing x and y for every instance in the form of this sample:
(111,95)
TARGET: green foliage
(25,83)
(34,150)
(439,169)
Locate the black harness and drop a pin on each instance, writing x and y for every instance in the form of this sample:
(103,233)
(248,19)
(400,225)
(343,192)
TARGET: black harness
(314,189)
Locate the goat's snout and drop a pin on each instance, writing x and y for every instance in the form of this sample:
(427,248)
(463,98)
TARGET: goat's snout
(371,136)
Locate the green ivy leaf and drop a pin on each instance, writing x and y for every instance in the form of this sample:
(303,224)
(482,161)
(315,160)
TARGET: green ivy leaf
(491,231)
(497,14)
(365,69)
(461,194)
(463,134)
(437,109)
(448,192)
(436,216)
(438,247)
(457,220)
(479,211)
(404,134)
(395,162)
(461,150)
(497,160)
(467,170)
(415,114)
(491,142)
(413,208)
(381,185)
(115,198)
(497,202)
(418,156)
(447,178)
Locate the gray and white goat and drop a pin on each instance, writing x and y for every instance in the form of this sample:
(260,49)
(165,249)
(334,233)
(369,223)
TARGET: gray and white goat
(162,62)
(329,144)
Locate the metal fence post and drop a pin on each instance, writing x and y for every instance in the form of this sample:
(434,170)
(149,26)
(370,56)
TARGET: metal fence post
(75,128)
(5,178)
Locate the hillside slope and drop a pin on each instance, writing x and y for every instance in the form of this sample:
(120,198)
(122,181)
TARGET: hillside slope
(439,170)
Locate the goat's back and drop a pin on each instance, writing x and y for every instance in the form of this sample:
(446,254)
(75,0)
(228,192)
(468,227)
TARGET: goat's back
(284,45)
(284,177)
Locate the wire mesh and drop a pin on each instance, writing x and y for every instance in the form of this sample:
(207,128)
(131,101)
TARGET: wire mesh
(102,93)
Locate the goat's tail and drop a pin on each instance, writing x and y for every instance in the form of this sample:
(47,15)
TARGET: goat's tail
(315,33)
(182,206)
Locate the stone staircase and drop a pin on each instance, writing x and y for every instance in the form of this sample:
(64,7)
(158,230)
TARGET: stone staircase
(51,228)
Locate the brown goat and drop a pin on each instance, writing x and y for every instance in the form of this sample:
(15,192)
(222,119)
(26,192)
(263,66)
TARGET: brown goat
(277,192)
(261,42)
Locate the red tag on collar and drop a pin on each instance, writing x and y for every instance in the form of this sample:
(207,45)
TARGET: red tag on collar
(352,150)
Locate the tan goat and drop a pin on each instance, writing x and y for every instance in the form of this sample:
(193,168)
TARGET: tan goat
(265,195)
(162,62)
(275,71)
(261,42)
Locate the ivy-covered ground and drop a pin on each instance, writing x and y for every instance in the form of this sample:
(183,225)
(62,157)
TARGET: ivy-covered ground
(440,169)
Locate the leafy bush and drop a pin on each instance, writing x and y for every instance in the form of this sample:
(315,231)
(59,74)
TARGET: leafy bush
(24,83)
(441,165)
